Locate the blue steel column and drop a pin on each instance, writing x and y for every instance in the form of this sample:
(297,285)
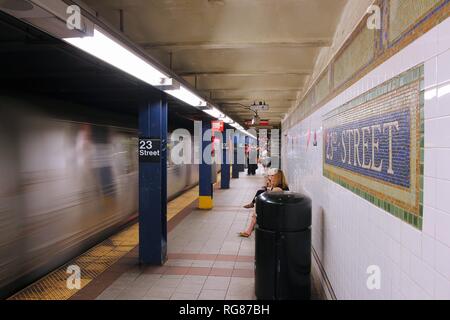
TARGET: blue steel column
(153,185)
(205,199)
(235,171)
(242,145)
(225,170)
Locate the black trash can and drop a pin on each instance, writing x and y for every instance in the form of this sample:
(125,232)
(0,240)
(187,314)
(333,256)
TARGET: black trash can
(283,246)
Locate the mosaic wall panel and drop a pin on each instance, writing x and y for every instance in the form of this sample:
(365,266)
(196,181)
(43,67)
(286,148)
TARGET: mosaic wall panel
(404,13)
(373,146)
(356,56)
(322,88)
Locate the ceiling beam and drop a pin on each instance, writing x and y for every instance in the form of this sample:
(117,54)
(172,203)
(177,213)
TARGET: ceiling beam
(256,88)
(237,107)
(252,94)
(252,90)
(204,45)
(259,112)
(240,105)
(268,112)
(305,72)
(238,100)
(262,114)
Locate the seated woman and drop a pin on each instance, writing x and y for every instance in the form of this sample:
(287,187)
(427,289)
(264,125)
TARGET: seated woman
(263,189)
(276,182)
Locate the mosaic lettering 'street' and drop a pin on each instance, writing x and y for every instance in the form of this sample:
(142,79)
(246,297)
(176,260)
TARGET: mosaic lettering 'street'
(372,146)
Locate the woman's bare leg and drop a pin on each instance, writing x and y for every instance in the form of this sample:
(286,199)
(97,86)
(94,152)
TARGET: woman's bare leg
(251,226)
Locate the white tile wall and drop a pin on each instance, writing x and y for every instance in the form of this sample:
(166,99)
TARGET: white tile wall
(429,220)
(441,288)
(442,166)
(428,250)
(349,233)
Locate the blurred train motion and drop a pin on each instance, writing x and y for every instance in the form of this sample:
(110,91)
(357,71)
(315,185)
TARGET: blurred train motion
(65,186)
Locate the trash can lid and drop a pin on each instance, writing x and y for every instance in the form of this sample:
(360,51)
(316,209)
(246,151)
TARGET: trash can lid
(283,211)
(282,197)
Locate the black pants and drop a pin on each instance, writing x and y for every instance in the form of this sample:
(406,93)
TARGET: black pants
(251,169)
(262,190)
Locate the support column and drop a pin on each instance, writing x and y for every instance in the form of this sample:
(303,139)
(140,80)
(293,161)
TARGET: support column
(235,173)
(205,199)
(225,169)
(153,181)
(253,153)
(242,142)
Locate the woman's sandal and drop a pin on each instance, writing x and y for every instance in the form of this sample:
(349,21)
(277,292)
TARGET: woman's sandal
(243,234)
(249,206)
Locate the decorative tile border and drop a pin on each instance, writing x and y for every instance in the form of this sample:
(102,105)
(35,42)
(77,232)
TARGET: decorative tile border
(309,103)
(405,15)
(385,167)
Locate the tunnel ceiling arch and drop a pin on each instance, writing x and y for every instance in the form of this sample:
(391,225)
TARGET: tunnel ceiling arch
(234,52)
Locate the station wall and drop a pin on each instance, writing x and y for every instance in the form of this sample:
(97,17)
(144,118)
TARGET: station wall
(404,230)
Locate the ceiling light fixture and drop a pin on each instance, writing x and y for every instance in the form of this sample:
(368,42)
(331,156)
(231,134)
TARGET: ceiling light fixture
(214,112)
(226,119)
(219,115)
(101,46)
(187,96)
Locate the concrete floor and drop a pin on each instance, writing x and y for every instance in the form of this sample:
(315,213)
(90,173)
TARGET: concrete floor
(207,258)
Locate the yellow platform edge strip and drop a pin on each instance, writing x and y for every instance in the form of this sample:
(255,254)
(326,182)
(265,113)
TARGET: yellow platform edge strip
(97,259)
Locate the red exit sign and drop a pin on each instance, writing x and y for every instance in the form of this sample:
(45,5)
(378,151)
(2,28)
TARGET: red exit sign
(262,123)
(217,126)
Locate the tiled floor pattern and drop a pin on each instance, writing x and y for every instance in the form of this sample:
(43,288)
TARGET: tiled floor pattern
(207,259)
(218,278)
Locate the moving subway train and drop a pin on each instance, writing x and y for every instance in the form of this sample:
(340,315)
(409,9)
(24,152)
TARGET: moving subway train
(65,185)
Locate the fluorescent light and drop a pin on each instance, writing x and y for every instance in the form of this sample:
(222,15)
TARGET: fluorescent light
(226,119)
(187,96)
(106,49)
(214,112)
(240,128)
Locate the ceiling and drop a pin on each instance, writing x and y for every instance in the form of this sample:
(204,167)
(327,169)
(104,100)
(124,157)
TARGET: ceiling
(37,64)
(234,52)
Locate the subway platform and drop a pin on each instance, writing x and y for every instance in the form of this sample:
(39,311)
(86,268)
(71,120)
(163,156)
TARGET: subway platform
(207,260)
